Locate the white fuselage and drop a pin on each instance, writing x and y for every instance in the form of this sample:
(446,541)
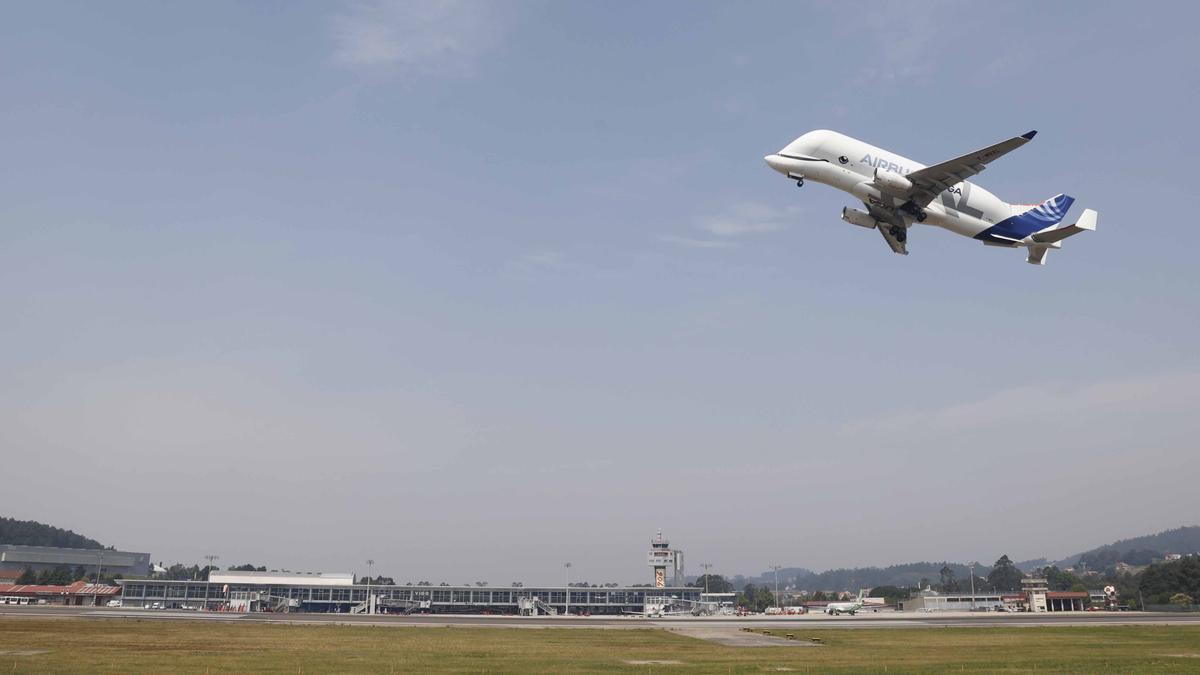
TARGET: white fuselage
(843,607)
(849,164)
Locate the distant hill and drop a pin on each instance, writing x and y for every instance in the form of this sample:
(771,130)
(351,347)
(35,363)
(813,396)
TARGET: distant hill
(787,575)
(1034,564)
(1138,550)
(905,574)
(33,533)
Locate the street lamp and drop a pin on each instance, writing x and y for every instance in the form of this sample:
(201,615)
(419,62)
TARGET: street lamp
(370,564)
(971,566)
(99,567)
(707,567)
(207,576)
(567,567)
(776,568)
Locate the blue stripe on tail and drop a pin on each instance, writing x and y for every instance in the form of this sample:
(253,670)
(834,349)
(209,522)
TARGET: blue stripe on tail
(1047,214)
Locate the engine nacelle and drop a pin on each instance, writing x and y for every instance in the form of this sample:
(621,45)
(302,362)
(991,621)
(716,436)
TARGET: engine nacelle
(859,218)
(892,182)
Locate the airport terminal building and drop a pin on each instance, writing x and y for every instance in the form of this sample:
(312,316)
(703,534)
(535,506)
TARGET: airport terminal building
(281,591)
(338,593)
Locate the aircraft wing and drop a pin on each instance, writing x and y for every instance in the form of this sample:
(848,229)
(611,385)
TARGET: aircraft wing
(931,181)
(889,216)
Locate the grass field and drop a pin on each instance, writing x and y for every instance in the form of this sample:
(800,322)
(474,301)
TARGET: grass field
(133,646)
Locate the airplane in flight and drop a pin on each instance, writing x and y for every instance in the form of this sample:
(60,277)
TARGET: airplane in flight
(835,608)
(898,192)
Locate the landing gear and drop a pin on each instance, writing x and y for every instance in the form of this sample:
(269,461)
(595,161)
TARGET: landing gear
(917,212)
(898,232)
(800,183)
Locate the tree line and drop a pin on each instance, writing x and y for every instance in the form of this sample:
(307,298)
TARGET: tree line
(33,533)
(1176,582)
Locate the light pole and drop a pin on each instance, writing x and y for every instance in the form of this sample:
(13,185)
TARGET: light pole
(776,568)
(208,575)
(971,566)
(370,564)
(567,567)
(707,567)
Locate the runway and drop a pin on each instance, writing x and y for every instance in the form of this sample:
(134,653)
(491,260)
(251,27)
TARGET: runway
(889,619)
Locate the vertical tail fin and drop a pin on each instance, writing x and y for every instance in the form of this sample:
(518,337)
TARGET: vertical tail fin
(1029,219)
(1047,214)
(1051,211)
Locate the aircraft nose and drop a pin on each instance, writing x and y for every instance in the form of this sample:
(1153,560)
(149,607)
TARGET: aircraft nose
(775,162)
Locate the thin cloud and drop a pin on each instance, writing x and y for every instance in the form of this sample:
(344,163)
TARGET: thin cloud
(544,259)
(741,220)
(415,35)
(745,219)
(910,31)
(692,242)
(1026,404)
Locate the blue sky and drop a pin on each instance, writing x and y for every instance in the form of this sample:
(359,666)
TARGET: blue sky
(307,283)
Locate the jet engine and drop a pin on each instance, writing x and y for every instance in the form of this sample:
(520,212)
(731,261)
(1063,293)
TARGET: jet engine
(892,182)
(859,218)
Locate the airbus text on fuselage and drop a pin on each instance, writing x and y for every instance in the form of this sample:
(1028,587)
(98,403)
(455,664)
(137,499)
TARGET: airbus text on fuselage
(898,192)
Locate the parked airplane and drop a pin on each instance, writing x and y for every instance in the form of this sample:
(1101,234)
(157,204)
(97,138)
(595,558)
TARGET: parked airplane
(899,192)
(835,608)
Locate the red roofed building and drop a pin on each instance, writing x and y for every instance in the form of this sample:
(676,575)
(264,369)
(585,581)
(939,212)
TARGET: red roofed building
(1065,601)
(78,593)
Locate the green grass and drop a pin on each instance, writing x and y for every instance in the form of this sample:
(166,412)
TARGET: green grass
(134,646)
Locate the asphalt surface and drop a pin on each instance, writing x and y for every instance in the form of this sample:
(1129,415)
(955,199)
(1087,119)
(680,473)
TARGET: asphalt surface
(883,619)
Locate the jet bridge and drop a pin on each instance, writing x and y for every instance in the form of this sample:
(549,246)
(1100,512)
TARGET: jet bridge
(530,606)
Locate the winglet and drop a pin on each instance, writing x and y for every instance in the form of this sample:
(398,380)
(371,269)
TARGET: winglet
(1087,221)
(1029,136)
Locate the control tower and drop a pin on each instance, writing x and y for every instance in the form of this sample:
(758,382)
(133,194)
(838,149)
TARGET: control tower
(661,557)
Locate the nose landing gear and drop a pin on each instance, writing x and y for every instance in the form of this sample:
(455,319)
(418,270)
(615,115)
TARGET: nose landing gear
(899,233)
(800,183)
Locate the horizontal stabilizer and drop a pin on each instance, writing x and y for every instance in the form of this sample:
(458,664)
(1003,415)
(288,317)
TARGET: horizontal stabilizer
(1086,223)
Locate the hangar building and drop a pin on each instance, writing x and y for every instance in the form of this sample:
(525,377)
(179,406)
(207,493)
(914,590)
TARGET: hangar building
(126,563)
